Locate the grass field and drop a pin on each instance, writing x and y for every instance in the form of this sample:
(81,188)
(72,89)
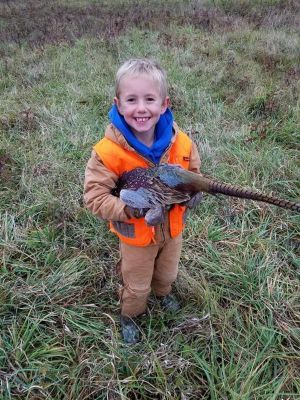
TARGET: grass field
(234,72)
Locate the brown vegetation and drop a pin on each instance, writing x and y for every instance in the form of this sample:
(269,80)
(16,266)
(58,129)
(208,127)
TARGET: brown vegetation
(39,22)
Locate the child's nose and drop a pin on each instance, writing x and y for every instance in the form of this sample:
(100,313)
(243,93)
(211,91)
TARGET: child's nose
(141,107)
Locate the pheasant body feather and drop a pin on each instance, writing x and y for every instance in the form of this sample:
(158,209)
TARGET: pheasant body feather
(167,184)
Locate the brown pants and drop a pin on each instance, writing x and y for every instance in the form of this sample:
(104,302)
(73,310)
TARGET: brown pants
(143,268)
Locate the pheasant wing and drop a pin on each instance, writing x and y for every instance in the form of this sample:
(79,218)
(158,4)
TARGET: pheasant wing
(153,196)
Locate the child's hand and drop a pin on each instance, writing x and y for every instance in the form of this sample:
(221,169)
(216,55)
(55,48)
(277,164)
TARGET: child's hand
(155,216)
(194,201)
(132,212)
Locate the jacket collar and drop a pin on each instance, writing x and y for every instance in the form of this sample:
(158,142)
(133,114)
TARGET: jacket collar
(113,134)
(162,139)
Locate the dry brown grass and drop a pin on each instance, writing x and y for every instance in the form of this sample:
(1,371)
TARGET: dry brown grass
(39,22)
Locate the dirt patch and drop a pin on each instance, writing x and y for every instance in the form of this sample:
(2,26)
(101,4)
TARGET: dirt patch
(8,169)
(4,161)
(24,121)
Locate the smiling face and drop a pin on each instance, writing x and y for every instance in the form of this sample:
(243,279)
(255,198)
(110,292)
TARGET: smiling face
(141,104)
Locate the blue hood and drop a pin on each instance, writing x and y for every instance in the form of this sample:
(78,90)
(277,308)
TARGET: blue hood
(163,134)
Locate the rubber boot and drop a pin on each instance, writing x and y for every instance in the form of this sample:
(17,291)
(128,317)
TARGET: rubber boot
(130,330)
(170,303)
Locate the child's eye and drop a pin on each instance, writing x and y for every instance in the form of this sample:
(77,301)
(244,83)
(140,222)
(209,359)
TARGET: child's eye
(150,99)
(130,100)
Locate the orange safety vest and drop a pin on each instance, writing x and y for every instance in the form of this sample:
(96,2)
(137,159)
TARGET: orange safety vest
(119,160)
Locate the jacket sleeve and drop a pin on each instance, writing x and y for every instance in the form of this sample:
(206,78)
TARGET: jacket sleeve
(98,184)
(195,161)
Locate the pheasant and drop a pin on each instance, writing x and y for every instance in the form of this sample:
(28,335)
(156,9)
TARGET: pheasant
(157,188)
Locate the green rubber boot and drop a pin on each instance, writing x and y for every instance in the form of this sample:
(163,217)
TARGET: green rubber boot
(170,303)
(130,330)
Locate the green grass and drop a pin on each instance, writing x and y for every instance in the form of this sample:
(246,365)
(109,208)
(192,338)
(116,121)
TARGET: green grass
(234,85)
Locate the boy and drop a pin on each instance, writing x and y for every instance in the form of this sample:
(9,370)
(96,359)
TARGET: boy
(141,134)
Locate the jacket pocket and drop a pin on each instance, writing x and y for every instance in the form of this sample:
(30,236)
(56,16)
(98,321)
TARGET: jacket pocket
(124,228)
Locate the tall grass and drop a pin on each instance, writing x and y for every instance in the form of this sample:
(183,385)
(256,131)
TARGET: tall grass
(234,86)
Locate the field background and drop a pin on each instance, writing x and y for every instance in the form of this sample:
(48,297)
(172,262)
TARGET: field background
(233,69)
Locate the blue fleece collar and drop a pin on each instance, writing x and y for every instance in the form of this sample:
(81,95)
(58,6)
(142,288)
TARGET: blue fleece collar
(163,134)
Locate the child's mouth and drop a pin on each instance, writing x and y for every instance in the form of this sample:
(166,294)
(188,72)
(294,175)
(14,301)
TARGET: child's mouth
(144,119)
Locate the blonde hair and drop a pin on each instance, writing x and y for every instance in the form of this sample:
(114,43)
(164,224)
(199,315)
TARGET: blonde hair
(137,66)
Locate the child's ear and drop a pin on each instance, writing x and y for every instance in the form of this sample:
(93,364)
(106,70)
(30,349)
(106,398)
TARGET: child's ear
(165,104)
(117,103)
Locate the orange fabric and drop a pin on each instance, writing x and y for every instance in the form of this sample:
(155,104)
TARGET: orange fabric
(120,160)
(180,154)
